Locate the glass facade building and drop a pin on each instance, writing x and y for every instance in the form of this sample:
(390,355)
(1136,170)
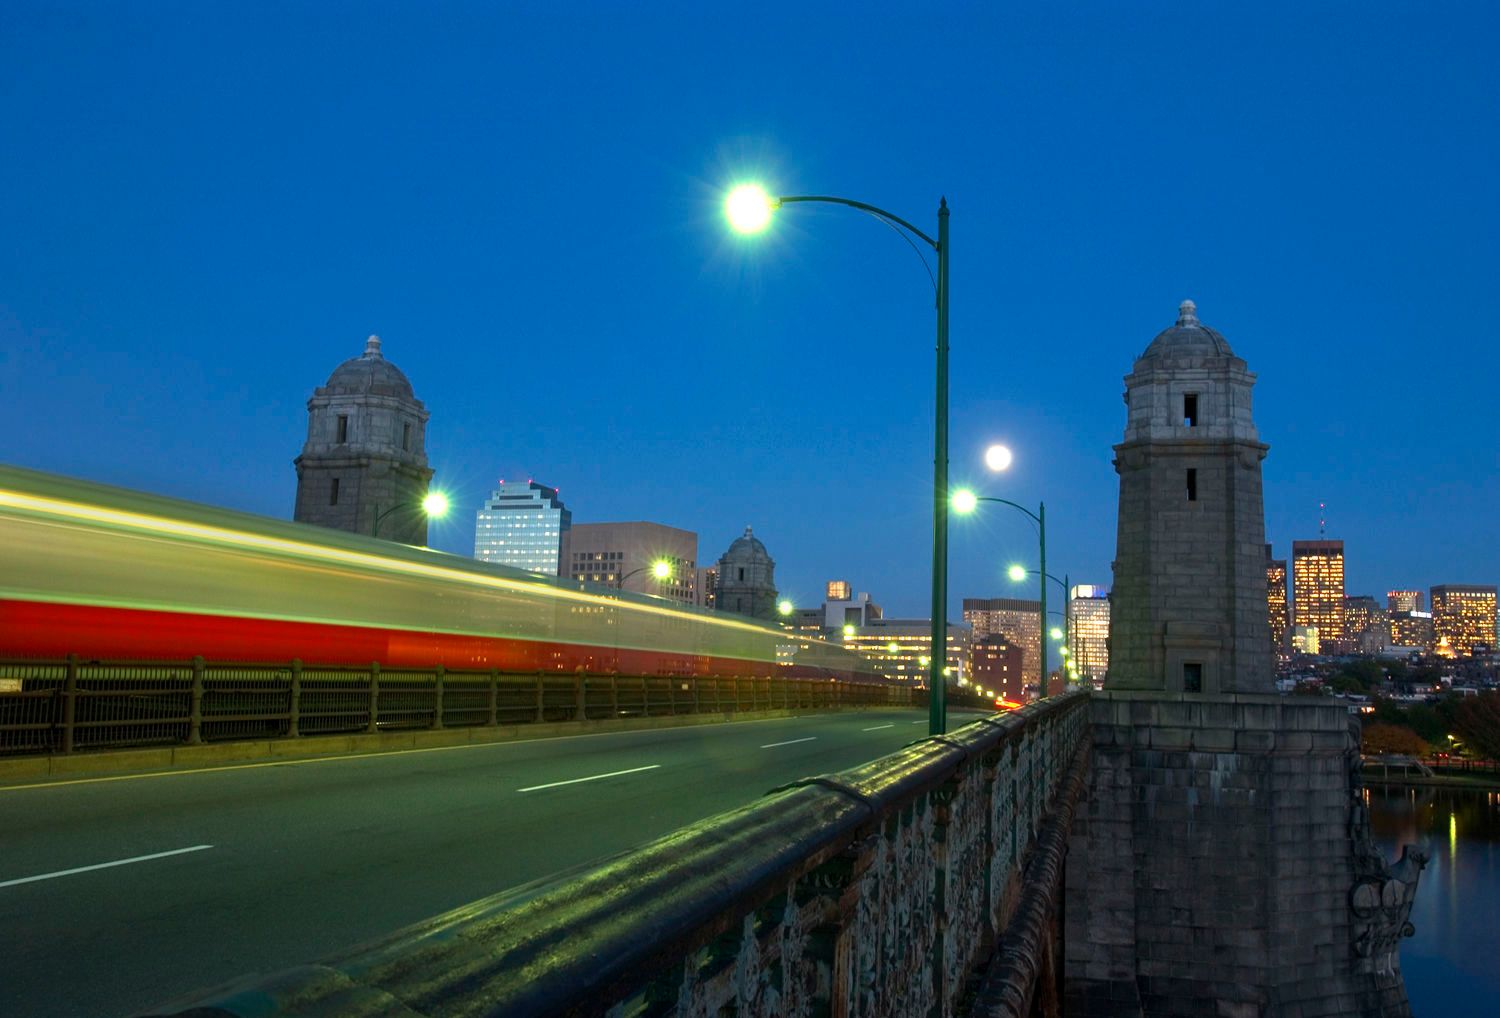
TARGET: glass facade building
(1403,601)
(522,525)
(1088,630)
(1276,600)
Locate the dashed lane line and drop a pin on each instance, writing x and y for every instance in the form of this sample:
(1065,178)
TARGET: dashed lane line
(591,777)
(102,865)
(879,727)
(789,742)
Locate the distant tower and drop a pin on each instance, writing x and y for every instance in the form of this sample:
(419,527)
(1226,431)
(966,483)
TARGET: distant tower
(1189,600)
(746,582)
(366,455)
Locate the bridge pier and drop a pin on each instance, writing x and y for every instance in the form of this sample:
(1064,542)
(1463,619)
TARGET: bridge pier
(1221,864)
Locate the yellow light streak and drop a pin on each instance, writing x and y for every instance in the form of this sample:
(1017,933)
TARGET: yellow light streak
(239,539)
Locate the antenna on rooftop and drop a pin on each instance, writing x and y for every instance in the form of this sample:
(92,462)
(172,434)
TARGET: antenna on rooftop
(1322,519)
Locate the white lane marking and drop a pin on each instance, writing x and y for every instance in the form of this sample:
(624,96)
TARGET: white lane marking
(789,742)
(922,722)
(102,865)
(879,727)
(591,777)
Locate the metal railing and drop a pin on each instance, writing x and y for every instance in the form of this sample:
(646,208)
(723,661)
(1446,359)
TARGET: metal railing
(70,706)
(884,890)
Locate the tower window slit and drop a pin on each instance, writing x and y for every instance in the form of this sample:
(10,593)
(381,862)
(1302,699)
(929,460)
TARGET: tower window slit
(343,429)
(333,492)
(1190,410)
(1192,484)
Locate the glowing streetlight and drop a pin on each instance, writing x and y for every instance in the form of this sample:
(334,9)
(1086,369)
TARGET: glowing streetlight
(1057,634)
(998,458)
(1016,573)
(964,501)
(891,648)
(748,208)
(661,569)
(434,504)
(784,607)
(848,632)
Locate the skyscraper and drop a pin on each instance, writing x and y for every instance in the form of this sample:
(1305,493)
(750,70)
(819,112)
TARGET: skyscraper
(995,664)
(1318,590)
(1464,615)
(1276,600)
(1403,601)
(1015,619)
(364,465)
(1412,629)
(1088,630)
(522,525)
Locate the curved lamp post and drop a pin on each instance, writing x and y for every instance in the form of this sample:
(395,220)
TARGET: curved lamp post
(1019,573)
(965,501)
(434,504)
(661,569)
(749,208)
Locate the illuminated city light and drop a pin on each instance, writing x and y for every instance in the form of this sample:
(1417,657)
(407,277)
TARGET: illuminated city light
(661,569)
(1055,633)
(964,501)
(748,208)
(784,607)
(435,504)
(1016,573)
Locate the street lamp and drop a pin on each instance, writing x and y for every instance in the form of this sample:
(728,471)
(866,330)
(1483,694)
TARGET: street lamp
(1018,573)
(784,607)
(965,501)
(434,504)
(661,569)
(748,208)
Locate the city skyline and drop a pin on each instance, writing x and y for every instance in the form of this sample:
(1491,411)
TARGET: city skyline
(182,307)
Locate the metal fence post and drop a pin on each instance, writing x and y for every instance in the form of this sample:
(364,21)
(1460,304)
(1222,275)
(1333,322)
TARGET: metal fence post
(437,696)
(195,704)
(646,695)
(614,696)
(374,696)
(70,702)
(494,706)
(294,709)
(580,685)
(697,682)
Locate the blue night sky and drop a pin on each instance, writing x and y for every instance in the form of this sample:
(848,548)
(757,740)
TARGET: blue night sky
(204,208)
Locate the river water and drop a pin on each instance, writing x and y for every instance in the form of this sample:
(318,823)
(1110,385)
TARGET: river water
(1452,964)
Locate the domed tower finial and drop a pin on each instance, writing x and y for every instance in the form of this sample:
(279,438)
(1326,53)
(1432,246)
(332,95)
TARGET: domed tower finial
(1187,313)
(372,347)
(747,531)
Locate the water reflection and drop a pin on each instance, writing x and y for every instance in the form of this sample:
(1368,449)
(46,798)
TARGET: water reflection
(1450,964)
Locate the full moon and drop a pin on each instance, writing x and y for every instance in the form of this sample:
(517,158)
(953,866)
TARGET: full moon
(997,457)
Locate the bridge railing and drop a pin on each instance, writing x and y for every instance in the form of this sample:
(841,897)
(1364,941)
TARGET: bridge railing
(72,705)
(883,890)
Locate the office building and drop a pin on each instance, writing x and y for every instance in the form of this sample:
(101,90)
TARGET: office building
(838,590)
(1464,615)
(1412,629)
(1403,601)
(1088,631)
(1017,620)
(850,610)
(900,648)
(1276,607)
(1305,640)
(995,665)
(1318,590)
(522,525)
(624,555)
(364,465)
(1363,615)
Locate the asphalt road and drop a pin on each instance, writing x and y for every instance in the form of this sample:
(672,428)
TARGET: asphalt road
(120,893)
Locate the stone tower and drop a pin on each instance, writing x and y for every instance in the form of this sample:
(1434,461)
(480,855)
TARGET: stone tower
(1220,861)
(746,582)
(1188,612)
(365,459)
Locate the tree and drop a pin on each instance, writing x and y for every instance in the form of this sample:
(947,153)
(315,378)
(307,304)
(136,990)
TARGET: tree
(1383,737)
(1477,721)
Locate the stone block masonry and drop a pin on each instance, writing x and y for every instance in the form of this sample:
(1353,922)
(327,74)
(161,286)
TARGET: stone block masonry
(1220,865)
